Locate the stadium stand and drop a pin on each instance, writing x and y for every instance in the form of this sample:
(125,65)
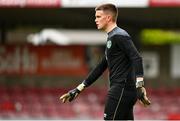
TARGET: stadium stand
(43,103)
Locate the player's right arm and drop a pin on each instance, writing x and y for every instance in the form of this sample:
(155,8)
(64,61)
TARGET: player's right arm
(91,78)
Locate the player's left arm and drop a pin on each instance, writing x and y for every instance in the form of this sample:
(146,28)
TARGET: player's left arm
(126,44)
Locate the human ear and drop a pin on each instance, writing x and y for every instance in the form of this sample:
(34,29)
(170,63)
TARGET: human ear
(109,18)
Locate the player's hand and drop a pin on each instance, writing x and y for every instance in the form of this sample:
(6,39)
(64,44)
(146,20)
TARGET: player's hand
(71,95)
(141,94)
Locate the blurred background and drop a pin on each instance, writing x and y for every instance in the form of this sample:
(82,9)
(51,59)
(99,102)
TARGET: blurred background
(48,47)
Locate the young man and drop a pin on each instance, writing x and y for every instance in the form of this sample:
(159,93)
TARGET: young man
(125,69)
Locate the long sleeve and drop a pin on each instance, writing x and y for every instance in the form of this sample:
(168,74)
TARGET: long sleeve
(96,72)
(126,44)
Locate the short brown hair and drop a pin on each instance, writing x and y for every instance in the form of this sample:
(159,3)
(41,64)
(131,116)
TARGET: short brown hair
(109,8)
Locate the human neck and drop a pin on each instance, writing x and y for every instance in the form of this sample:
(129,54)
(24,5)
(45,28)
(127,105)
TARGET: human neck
(110,27)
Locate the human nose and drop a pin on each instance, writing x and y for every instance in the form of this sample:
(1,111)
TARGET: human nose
(95,20)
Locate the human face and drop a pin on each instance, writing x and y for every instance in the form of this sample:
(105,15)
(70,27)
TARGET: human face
(101,19)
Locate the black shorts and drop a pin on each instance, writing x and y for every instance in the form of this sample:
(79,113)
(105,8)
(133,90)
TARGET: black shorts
(120,102)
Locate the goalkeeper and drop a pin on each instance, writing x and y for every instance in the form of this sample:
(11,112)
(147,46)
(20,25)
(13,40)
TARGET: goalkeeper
(125,69)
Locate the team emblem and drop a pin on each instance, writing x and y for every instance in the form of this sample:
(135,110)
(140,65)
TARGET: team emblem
(109,43)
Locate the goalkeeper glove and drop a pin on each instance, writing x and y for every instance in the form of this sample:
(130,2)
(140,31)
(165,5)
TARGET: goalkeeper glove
(72,94)
(141,92)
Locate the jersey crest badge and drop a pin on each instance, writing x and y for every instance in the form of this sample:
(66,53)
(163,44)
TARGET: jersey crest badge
(109,43)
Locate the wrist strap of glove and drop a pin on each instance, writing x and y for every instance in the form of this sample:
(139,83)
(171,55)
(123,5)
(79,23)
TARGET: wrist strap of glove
(81,87)
(139,82)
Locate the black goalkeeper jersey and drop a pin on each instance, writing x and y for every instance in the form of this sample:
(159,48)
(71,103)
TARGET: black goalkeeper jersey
(121,58)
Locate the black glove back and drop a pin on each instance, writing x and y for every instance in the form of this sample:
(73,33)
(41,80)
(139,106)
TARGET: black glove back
(73,93)
(141,95)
